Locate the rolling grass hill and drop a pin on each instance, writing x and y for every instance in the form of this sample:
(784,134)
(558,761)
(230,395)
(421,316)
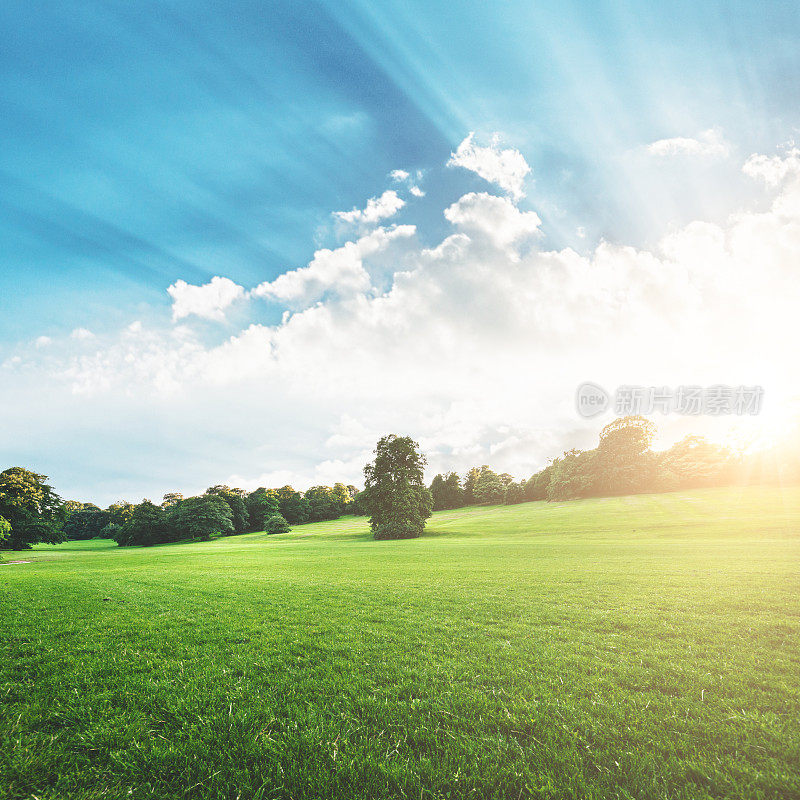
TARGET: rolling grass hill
(632,647)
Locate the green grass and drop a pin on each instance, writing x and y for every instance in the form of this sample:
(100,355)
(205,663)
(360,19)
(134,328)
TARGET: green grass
(634,647)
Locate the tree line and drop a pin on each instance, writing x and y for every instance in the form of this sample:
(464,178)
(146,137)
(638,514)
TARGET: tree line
(623,463)
(395,496)
(31,512)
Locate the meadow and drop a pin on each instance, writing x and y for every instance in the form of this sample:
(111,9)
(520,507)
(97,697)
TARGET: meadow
(632,647)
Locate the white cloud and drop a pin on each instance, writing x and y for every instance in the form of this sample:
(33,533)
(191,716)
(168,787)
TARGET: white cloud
(81,334)
(505,168)
(43,341)
(709,143)
(399,175)
(495,218)
(341,270)
(208,301)
(474,346)
(416,191)
(377,208)
(773,170)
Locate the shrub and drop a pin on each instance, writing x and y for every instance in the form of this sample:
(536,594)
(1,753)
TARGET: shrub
(276,524)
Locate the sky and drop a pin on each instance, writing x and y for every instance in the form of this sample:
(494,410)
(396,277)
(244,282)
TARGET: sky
(239,242)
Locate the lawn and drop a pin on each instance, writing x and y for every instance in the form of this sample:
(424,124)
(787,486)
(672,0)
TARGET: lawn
(634,647)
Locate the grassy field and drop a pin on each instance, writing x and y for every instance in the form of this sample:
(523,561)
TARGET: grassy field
(635,647)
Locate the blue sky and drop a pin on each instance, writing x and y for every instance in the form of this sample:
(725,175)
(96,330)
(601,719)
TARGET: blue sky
(142,144)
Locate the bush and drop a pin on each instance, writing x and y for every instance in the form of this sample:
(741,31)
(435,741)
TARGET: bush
(276,524)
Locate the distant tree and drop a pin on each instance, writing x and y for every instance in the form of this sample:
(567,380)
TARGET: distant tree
(276,524)
(235,500)
(293,506)
(572,475)
(120,512)
(470,482)
(148,525)
(360,505)
(202,517)
(86,523)
(111,531)
(536,487)
(694,462)
(399,503)
(446,492)
(171,499)
(489,487)
(71,506)
(515,493)
(623,463)
(343,496)
(322,503)
(261,505)
(32,508)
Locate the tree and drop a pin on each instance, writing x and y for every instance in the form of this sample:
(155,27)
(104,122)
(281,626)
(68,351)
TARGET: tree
(261,504)
(343,495)
(572,475)
(322,503)
(515,493)
(276,524)
(235,500)
(470,482)
(447,492)
(86,523)
(536,487)
(399,503)
(623,463)
(5,530)
(32,508)
(695,462)
(489,487)
(202,517)
(120,512)
(171,499)
(293,506)
(148,525)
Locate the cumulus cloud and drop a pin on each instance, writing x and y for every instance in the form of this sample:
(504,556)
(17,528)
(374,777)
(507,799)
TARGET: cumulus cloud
(341,270)
(81,334)
(475,346)
(505,168)
(492,217)
(377,208)
(208,301)
(773,170)
(709,143)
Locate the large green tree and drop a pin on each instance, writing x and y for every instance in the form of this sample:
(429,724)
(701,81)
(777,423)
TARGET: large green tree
(623,462)
(147,525)
(322,503)
(262,504)
(31,506)
(293,507)
(398,500)
(235,498)
(201,517)
(490,487)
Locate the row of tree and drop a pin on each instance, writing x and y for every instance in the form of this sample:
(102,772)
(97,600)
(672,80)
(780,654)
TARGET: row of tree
(395,497)
(624,463)
(31,512)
